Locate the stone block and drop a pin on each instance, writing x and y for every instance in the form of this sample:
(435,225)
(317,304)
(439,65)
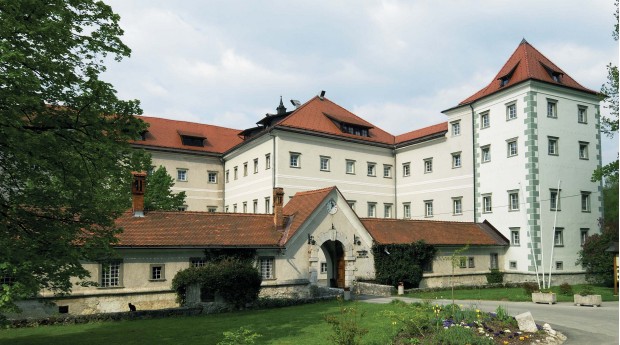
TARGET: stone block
(526,322)
(593,300)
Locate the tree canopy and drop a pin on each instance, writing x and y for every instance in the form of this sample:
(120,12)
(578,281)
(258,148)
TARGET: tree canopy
(65,161)
(159,195)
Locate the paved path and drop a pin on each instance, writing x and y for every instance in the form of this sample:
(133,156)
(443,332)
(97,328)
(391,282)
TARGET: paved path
(582,325)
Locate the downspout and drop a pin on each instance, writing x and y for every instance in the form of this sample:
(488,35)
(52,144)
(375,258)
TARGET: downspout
(473,151)
(273,161)
(224,183)
(395,190)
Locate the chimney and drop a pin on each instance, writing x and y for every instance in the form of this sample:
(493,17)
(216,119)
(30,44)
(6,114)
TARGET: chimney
(138,186)
(278,216)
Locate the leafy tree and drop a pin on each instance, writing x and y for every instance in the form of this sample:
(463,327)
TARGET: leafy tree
(610,202)
(595,260)
(158,195)
(65,161)
(396,263)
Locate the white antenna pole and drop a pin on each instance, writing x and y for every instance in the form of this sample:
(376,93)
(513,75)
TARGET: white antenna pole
(527,224)
(555,220)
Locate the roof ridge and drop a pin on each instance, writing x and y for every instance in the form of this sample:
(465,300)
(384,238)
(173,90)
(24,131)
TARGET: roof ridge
(188,122)
(423,128)
(205,213)
(314,191)
(420,220)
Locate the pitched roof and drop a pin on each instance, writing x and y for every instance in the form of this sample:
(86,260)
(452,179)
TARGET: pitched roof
(167,133)
(527,63)
(322,115)
(197,229)
(423,133)
(398,231)
(300,207)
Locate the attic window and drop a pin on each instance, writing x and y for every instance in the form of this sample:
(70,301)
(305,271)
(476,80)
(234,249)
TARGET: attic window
(503,81)
(354,129)
(192,141)
(142,136)
(555,75)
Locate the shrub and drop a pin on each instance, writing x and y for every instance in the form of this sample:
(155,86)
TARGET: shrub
(566,289)
(594,258)
(586,290)
(529,287)
(495,276)
(242,336)
(345,326)
(403,263)
(460,336)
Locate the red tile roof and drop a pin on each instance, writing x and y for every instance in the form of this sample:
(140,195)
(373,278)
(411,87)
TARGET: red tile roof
(398,231)
(167,133)
(423,132)
(197,229)
(316,115)
(526,63)
(300,208)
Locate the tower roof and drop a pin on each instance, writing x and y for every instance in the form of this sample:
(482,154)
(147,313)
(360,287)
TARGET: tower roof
(527,63)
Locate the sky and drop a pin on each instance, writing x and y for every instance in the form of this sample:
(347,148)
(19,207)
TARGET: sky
(397,64)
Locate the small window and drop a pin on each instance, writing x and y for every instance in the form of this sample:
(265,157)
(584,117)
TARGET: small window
(182,175)
(234,208)
(583,235)
(255,206)
(513,200)
(212,177)
(493,261)
(387,171)
(295,160)
(407,210)
(268,161)
(456,128)
(267,205)
(583,150)
(585,201)
(554,199)
(182,208)
(486,153)
(372,169)
(406,169)
(558,238)
(470,262)
(427,267)
(552,146)
(235,172)
(428,208)
(157,272)
(227,176)
(456,160)
(582,114)
(513,265)
(256,165)
(324,163)
(245,169)
(387,211)
(351,204)
(323,267)
(487,206)
(457,206)
(372,209)
(226,208)
(511,111)
(192,141)
(515,237)
(211,209)
(350,165)
(463,262)
(559,265)
(245,207)
(552,108)
(512,148)
(428,165)
(266,267)
(110,274)
(485,121)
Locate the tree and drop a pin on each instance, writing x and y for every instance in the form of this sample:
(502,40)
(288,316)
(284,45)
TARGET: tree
(598,263)
(158,195)
(65,161)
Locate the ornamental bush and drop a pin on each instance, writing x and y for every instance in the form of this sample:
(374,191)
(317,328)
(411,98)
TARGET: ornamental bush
(404,262)
(495,276)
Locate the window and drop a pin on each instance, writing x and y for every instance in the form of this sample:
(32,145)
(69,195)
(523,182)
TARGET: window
(552,146)
(456,128)
(197,262)
(235,172)
(234,208)
(267,205)
(493,261)
(428,165)
(512,147)
(471,262)
(351,204)
(486,153)
(583,150)
(513,200)
(245,207)
(407,210)
(323,267)
(256,165)
(245,169)
(226,208)
(554,199)
(515,237)
(511,111)
(585,201)
(227,176)
(371,169)
(110,274)
(372,209)
(212,177)
(513,265)
(324,163)
(192,141)
(268,161)
(295,160)
(428,208)
(456,160)
(406,169)
(157,272)
(255,206)
(387,171)
(487,206)
(211,209)
(552,108)
(583,235)
(559,265)
(463,262)
(182,208)
(266,268)
(558,238)
(182,175)
(427,267)
(387,210)
(457,206)
(485,121)
(350,166)
(582,114)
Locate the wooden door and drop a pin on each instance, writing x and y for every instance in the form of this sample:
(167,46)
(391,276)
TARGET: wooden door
(340,277)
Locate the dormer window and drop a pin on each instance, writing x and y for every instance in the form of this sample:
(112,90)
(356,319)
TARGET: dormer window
(351,125)
(555,75)
(503,80)
(192,139)
(354,129)
(142,136)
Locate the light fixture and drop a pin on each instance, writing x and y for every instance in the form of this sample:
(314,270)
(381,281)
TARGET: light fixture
(311,240)
(356,240)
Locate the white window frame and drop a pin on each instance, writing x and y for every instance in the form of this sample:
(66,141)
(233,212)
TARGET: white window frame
(485,120)
(559,265)
(371,169)
(457,206)
(582,114)
(387,171)
(111,274)
(456,160)
(512,265)
(351,204)
(493,261)
(323,267)
(245,169)
(555,202)
(211,209)
(583,150)
(324,163)
(511,111)
(585,202)
(515,237)
(456,128)
(267,267)
(235,173)
(211,176)
(553,146)
(227,176)
(407,169)
(406,210)
(428,165)
(552,108)
(295,160)
(157,272)
(350,166)
(485,153)
(583,235)
(372,210)
(268,161)
(255,206)
(387,210)
(513,200)
(512,147)
(558,237)
(182,174)
(256,165)
(267,205)
(428,208)
(487,203)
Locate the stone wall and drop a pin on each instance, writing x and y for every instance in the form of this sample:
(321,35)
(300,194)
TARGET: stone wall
(556,278)
(361,288)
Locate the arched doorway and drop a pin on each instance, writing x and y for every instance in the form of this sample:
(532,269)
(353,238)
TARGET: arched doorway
(334,257)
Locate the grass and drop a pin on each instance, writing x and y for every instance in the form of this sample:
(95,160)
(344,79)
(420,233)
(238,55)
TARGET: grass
(509,294)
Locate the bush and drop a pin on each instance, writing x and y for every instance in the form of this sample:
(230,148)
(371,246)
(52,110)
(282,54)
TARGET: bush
(495,276)
(530,287)
(586,290)
(403,263)
(242,336)
(566,289)
(346,326)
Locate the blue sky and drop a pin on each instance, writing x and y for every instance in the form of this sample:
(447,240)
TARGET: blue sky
(397,64)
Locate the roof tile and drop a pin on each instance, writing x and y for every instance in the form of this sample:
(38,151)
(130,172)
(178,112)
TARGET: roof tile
(423,132)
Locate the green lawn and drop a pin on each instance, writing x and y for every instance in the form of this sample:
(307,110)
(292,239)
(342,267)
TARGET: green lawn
(509,294)
(292,325)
